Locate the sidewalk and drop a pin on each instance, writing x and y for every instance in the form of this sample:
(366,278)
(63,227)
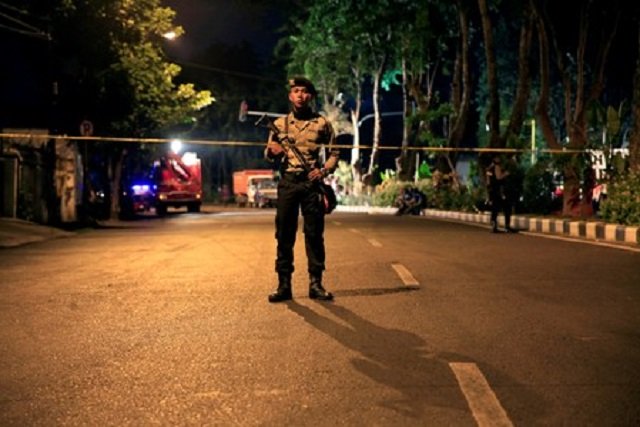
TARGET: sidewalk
(16,232)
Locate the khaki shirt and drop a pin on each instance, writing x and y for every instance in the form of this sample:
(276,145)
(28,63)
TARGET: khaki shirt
(308,136)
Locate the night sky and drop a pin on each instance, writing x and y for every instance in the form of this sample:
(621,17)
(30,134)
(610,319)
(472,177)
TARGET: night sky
(223,21)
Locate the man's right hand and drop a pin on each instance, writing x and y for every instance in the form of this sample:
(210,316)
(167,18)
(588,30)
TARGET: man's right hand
(274,149)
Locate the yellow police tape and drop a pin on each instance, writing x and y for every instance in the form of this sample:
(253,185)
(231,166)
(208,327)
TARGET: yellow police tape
(28,136)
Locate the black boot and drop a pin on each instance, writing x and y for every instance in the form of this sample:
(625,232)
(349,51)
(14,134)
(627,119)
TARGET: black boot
(283,293)
(507,222)
(316,290)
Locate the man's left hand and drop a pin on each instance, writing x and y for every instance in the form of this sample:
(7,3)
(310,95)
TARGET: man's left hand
(315,175)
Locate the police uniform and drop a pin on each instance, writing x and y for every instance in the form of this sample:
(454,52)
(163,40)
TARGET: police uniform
(308,132)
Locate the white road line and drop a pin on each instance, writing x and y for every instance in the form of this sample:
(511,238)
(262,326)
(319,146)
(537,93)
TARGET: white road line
(405,275)
(484,404)
(353,230)
(337,223)
(374,243)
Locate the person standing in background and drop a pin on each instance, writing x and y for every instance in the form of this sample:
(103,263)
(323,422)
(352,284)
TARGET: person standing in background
(500,198)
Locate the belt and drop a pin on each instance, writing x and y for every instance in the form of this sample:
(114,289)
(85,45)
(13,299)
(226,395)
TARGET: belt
(297,176)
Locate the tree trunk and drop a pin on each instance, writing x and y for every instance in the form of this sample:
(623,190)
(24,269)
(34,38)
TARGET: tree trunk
(355,117)
(492,77)
(115,176)
(634,139)
(542,106)
(524,79)
(461,87)
(356,162)
(377,127)
(403,163)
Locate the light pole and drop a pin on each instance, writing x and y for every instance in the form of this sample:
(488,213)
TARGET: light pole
(533,142)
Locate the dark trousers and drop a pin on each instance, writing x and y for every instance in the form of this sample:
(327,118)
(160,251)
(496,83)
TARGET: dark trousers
(295,193)
(499,202)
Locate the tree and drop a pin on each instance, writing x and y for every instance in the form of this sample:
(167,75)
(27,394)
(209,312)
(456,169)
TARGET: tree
(428,38)
(407,38)
(501,137)
(634,140)
(134,80)
(493,115)
(583,82)
(419,61)
(377,26)
(461,83)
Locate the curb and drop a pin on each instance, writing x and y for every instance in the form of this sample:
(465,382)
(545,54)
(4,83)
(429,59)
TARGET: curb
(16,232)
(590,230)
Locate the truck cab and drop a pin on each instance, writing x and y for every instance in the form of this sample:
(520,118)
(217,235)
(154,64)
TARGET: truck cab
(178,182)
(174,181)
(266,194)
(249,182)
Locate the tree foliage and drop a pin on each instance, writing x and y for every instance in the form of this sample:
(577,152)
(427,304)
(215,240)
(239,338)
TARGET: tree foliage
(121,64)
(427,43)
(122,79)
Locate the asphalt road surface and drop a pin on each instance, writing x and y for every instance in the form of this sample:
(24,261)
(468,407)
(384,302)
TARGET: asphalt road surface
(166,322)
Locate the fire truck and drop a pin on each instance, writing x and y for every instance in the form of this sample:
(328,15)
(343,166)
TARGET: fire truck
(174,181)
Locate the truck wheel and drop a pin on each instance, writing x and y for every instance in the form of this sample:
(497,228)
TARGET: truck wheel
(161,210)
(193,207)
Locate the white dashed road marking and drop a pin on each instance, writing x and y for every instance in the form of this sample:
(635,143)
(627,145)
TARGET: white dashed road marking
(375,243)
(484,404)
(405,275)
(372,242)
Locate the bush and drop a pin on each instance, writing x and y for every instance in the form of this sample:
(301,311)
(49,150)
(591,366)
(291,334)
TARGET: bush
(537,191)
(386,193)
(353,200)
(622,205)
(442,197)
(448,196)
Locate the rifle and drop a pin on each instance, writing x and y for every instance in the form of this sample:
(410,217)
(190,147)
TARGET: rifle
(328,195)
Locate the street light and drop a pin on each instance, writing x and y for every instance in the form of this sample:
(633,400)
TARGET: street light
(176,145)
(170,35)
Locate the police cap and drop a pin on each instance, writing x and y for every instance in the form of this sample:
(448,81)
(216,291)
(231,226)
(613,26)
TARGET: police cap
(304,82)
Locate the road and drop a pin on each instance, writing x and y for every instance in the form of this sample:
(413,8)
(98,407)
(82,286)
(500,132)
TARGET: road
(166,322)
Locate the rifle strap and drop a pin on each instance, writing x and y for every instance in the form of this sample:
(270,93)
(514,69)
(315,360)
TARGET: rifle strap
(292,146)
(286,136)
(286,126)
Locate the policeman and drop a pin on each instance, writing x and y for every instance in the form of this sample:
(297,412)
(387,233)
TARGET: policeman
(499,197)
(299,190)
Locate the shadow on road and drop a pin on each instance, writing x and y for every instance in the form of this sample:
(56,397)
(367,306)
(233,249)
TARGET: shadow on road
(394,358)
(374,291)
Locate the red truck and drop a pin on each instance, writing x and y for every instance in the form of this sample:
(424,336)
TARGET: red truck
(175,181)
(255,187)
